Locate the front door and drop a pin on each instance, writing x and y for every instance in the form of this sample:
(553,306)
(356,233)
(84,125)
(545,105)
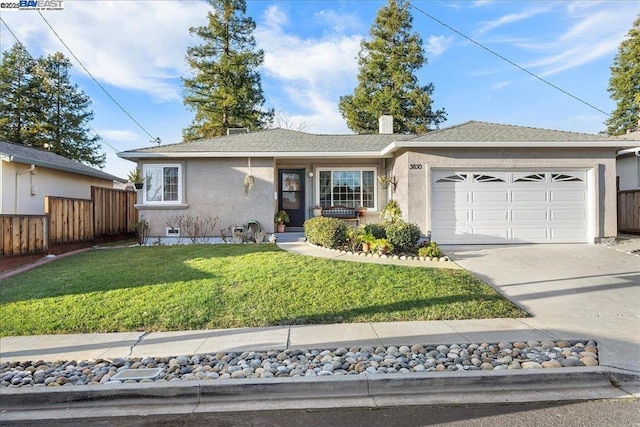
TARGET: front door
(291,197)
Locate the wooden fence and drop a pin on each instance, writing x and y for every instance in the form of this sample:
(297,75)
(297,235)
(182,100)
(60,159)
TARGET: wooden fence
(629,211)
(69,221)
(23,235)
(113,211)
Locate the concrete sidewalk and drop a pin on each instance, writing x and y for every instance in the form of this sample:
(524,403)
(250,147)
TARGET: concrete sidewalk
(571,291)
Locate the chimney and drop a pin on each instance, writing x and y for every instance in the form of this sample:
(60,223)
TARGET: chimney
(236,131)
(385,124)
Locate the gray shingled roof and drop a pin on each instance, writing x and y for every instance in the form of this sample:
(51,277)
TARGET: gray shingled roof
(46,159)
(280,140)
(493,132)
(288,141)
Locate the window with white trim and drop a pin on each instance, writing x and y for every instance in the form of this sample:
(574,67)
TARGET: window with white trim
(347,187)
(162,183)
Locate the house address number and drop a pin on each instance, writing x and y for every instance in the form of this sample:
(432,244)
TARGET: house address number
(415,166)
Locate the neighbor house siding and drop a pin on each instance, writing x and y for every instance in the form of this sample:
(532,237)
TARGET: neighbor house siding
(215,188)
(414,184)
(628,169)
(46,182)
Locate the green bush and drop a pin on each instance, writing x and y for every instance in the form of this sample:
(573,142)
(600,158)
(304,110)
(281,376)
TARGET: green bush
(403,236)
(430,250)
(391,212)
(327,232)
(376,230)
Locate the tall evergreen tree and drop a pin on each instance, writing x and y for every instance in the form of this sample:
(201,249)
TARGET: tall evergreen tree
(387,81)
(225,90)
(624,84)
(66,128)
(20,97)
(41,108)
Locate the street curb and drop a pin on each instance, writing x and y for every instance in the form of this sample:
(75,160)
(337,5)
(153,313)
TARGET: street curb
(114,400)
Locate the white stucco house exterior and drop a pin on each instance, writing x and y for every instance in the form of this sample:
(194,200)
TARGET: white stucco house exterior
(475,182)
(28,174)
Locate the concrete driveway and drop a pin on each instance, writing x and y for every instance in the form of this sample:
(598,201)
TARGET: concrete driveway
(571,291)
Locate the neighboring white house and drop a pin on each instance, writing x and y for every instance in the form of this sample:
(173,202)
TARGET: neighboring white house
(475,182)
(628,164)
(27,175)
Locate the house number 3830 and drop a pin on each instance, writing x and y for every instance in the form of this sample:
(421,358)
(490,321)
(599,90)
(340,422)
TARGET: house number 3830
(415,166)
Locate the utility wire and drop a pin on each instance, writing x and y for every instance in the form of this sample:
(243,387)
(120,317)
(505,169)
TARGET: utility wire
(154,139)
(493,52)
(36,64)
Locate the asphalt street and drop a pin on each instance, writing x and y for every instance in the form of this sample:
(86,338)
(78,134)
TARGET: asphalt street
(610,413)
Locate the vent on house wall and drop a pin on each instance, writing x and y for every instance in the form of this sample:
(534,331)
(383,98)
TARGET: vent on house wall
(172,232)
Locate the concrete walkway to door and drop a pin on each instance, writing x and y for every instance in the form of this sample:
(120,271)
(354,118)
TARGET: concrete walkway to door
(572,291)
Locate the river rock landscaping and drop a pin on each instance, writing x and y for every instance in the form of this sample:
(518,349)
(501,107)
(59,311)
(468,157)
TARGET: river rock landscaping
(390,360)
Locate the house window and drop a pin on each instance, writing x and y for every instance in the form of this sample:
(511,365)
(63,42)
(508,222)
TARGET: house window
(347,187)
(162,184)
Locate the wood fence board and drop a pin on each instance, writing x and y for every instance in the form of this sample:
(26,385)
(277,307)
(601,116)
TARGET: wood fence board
(629,211)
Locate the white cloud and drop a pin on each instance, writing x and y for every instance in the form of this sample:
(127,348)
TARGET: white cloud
(130,45)
(513,17)
(121,135)
(500,85)
(592,35)
(437,45)
(314,72)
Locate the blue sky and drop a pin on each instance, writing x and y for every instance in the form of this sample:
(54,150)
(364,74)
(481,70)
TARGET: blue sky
(136,50)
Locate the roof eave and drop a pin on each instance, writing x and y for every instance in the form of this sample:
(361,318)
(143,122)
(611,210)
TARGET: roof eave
(504,144)
(134,156)
(49,165)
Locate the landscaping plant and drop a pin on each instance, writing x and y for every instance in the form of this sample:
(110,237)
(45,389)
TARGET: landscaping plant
(403,236)
(327,232)
(430,250)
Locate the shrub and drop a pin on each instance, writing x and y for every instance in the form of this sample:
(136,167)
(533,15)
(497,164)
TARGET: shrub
(327,232)
(430,250)
(376,230)
(391,212)
(354,239)
(403,236)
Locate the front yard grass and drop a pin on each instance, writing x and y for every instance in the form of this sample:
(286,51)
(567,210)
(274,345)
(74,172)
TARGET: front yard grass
(228,286)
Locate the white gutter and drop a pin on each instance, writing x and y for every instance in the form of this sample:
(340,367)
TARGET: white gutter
(506,144)
(635,150)
(228,154)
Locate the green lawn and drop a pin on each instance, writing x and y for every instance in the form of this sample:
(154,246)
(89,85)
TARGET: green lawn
(226,286)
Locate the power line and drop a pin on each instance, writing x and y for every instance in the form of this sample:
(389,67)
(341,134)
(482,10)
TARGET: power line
(96,81)
(37,65)
(493,52)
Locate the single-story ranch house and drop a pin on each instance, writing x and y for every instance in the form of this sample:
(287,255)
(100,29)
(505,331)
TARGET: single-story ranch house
(475,182)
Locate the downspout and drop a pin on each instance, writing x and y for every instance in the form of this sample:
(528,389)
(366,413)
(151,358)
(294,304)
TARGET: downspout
(31,171)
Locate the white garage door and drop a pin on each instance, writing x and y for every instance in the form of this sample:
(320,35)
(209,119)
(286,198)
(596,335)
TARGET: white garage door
(509,207)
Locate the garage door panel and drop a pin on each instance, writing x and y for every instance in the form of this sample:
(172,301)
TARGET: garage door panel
(568,234)
(530,234)
(529,215)
(482,233)
(529,196)
(490,196)
(527,207)
(568,196)
(490,215)
(568,214)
